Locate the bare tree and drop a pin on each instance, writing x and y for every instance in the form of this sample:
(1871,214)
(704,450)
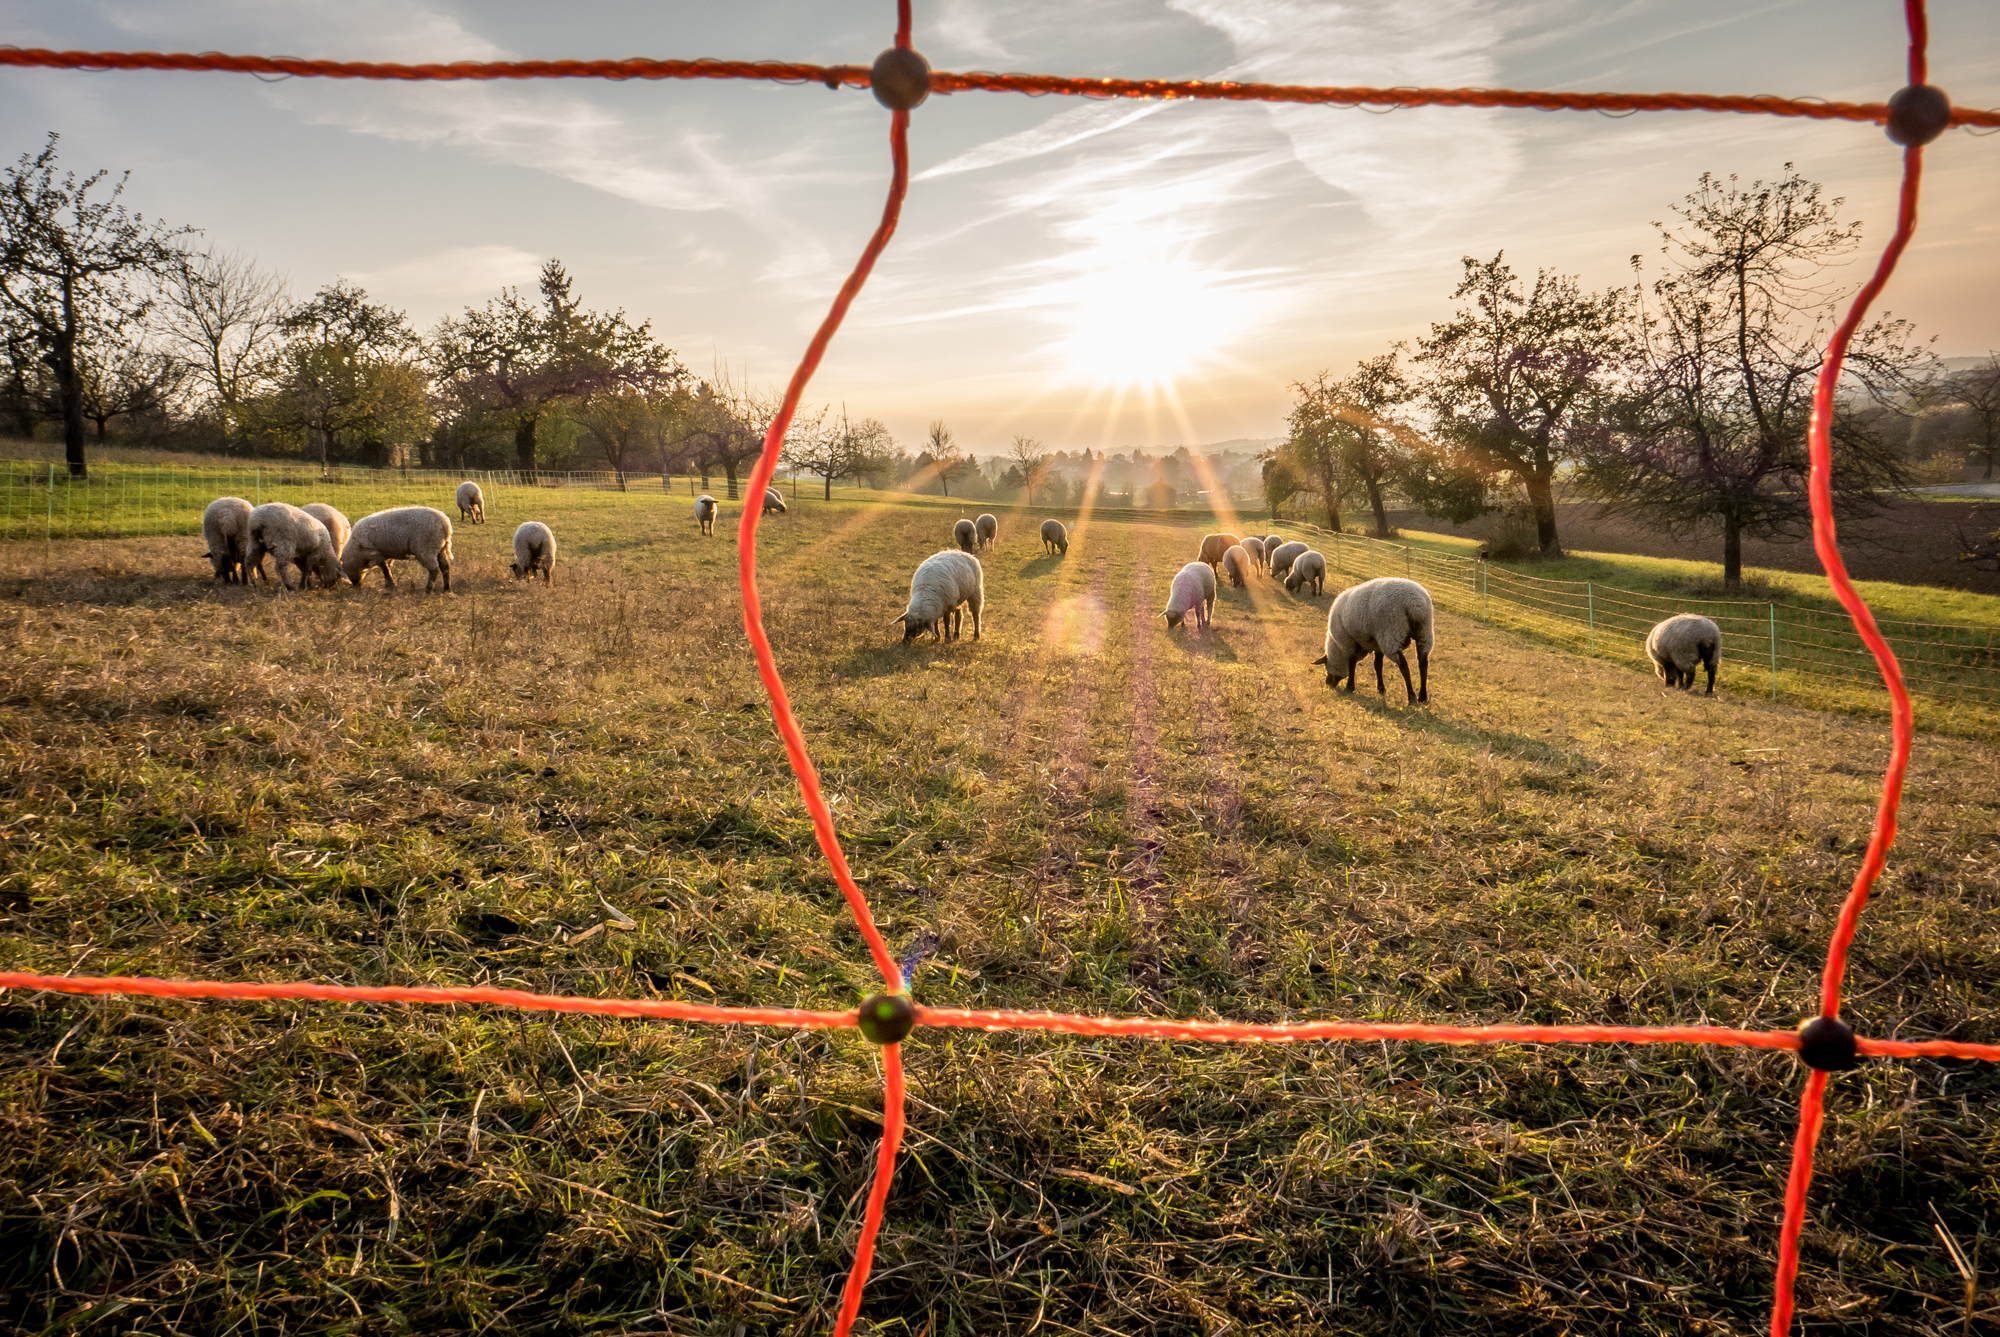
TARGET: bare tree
(1033,462)
(1731,348)
(839,449)
(946,463)
(73,268)
(720,425)
(1978,389)
(222,319)
(622,423)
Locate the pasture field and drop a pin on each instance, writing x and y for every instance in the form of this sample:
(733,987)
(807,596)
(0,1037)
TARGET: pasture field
(1080,812)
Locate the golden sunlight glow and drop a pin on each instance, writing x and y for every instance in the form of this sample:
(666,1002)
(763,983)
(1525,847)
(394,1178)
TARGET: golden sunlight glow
(1145,321)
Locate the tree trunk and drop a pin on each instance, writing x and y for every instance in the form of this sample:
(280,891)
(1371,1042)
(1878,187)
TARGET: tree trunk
(1332,511)
(524,444)
(1542,496)
(1375,504)
(829,488)
(729,474)
(1732,551)
(69,385)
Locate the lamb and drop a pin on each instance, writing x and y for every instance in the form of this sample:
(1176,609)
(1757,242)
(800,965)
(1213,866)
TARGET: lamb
(293,538)
(336,523)
(1055,537)
(1308,568)
(944,583)
(535,550)
(1236,565)
(989,530)
(421,533)
(773,502)
(1284,555)
(1193,592)
(1382,616)
(704,511)
(1680,644)
(471,503)
(225,524)
(965,535)
(1255,547)
(1213,546)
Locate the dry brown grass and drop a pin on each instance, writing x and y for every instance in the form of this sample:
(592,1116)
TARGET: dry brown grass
(1088,812)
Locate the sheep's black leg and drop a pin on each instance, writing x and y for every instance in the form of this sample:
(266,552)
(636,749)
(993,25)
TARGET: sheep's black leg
(1381,688)
(1711,659)
(1353,671)
(1423,674)
(1409,687)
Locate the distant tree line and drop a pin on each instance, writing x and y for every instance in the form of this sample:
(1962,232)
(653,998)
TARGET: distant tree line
(1682,402)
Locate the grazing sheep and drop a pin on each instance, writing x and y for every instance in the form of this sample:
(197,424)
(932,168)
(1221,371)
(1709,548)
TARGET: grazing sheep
(336,523)
(1236,565)
(293,538)
(1055,537)
(773,502)
(1308,568)
(471,503)
(944,584)
(1255,547)
(966,535)
(226,525)
(1193,592)
(1284,555)
(1680,644)
(421,533)
(1381,616)
(704,511)
(989,530)
(535,550)
(1213,546)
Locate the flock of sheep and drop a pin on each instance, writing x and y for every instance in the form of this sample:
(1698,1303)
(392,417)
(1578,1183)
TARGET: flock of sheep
(1382,617)
(317,539)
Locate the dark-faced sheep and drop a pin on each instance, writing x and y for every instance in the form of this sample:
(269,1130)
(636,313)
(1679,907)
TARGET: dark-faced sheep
(1236,565)
(944,584)
(1212,548)
(1055,537)
(471,503)
(1380,617)
(773,501)
(225,525)
(1682,643)
(966,535)
(1193,591)
(1285,554)
(419,533)
(1308,568)
(535,550)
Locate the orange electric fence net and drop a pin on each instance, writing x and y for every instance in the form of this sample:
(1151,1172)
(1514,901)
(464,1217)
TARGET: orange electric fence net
(901,80)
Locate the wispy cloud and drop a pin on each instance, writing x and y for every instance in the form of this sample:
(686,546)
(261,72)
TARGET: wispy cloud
(966,26)
(457,276)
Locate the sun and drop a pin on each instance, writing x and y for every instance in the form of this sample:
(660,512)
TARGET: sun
(1145,321)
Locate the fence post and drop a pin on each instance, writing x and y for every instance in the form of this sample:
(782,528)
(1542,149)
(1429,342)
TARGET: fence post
(1774,649)
(1590,611)
(1485,613)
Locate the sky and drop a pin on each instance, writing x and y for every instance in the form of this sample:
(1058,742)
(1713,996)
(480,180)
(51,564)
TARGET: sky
(1093,274)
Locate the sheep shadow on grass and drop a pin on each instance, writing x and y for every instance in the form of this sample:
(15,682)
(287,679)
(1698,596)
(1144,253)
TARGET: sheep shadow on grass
(1210,644)
(1472,737)
(1040,566)
(894,658)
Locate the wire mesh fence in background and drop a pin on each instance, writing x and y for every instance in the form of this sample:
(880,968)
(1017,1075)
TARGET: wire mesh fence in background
(1807,655)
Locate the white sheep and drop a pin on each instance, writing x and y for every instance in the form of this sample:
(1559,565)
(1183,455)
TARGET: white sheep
(336,524)
(535,550)
(225,524)
(773,502)
(944,584)
(1680,644)
(293,538)
(989,530)
(1236,565)
(1272,542)
(965,535)
(1380,616)
(1284,555)
(1308,568)
(704,511)
(1255,547)
(420,533)
(1213,546)
(1055,537)
(471,503)
(1193,591)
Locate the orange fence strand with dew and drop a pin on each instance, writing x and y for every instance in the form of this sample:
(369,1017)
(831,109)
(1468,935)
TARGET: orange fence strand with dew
(901,81)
